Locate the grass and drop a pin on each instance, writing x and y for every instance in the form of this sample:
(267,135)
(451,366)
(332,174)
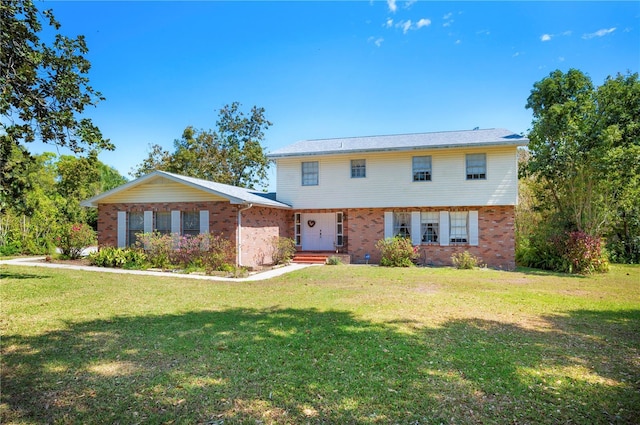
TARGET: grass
(344,344)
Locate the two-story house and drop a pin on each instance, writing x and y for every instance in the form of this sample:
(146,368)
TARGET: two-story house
(447,191)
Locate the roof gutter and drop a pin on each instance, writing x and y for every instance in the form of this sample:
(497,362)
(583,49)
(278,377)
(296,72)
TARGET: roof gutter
(239,236)
(395,149)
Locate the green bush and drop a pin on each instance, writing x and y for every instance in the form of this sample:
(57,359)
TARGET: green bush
(334,261)
(465,260)
(397,252)
(218,255)
(158,247)
(117,257)
(73,238)
(282,250)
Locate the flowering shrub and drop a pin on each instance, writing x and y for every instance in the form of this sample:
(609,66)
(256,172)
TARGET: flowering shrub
(73,238)
(397,252)
(212,252)
(157,247)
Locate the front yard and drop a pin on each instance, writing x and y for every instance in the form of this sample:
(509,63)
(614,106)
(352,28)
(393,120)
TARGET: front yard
(332,344)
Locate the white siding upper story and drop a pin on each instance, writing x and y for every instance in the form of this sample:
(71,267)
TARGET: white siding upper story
(389,180)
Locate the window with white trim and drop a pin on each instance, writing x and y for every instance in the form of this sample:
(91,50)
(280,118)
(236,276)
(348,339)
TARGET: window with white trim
(190,223)
(459,226)
(476,166)
(339,229)
(402,224)
(162,222)
(135,225)
(298,228)
(310,173)
(429,226)
(358,168)
(421,167)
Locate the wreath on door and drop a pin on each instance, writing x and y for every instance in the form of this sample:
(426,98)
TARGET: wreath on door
(311,223)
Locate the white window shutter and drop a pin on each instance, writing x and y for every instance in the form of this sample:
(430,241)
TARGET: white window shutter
(122,229)
(204,221)
(473,228)
(175,222)
(416,237)
(388,224)
(444,228)
(148,221)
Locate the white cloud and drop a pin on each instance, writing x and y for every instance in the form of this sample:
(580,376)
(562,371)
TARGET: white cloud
(561,59)
(389,23)
(392,5)
(410,3)
(423,23)
(406,25)
(458,41)
(447,16)
(599,33)
(376,40)
(548,37)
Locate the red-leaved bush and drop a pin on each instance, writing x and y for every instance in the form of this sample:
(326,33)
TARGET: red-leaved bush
(582,253)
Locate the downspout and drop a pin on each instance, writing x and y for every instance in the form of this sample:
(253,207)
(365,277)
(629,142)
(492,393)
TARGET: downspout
(239,238)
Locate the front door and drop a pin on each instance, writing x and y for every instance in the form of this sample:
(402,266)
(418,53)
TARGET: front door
(318,231)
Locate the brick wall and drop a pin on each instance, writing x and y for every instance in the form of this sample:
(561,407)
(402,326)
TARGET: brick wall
(496,227)
(260,226)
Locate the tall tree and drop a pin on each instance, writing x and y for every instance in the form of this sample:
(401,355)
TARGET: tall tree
(232,154)
(44,89)
(585,152)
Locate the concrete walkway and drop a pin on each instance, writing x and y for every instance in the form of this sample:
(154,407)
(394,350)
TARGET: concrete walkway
(37,262)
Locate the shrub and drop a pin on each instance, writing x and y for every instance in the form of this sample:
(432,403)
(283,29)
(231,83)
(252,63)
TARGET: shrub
(396,252)
(334,261)
(157,246)
(73,238)
(583,253)
(189,250)
(465,260)
(218,255)
(282,250)
(110,256)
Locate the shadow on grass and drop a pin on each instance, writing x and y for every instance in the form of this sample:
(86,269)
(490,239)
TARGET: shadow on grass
(306,366)
(7,274)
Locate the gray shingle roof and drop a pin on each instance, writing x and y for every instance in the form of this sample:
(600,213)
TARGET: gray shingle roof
(236,195)
(399,142)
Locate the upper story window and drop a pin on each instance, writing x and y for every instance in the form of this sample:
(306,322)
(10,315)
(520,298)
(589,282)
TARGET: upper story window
(310,173)
(358,168)
(476,166)
(429,226)
(421,168)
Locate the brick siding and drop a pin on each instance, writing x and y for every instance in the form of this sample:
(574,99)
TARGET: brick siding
(496,227)
(259,225)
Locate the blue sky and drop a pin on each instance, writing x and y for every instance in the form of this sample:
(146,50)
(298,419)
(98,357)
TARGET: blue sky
(334,69)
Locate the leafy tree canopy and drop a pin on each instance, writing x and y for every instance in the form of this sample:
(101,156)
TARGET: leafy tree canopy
(232,154)
(585,154)
(44,90)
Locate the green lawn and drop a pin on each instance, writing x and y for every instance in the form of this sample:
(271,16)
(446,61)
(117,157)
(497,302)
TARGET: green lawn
(333,344)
